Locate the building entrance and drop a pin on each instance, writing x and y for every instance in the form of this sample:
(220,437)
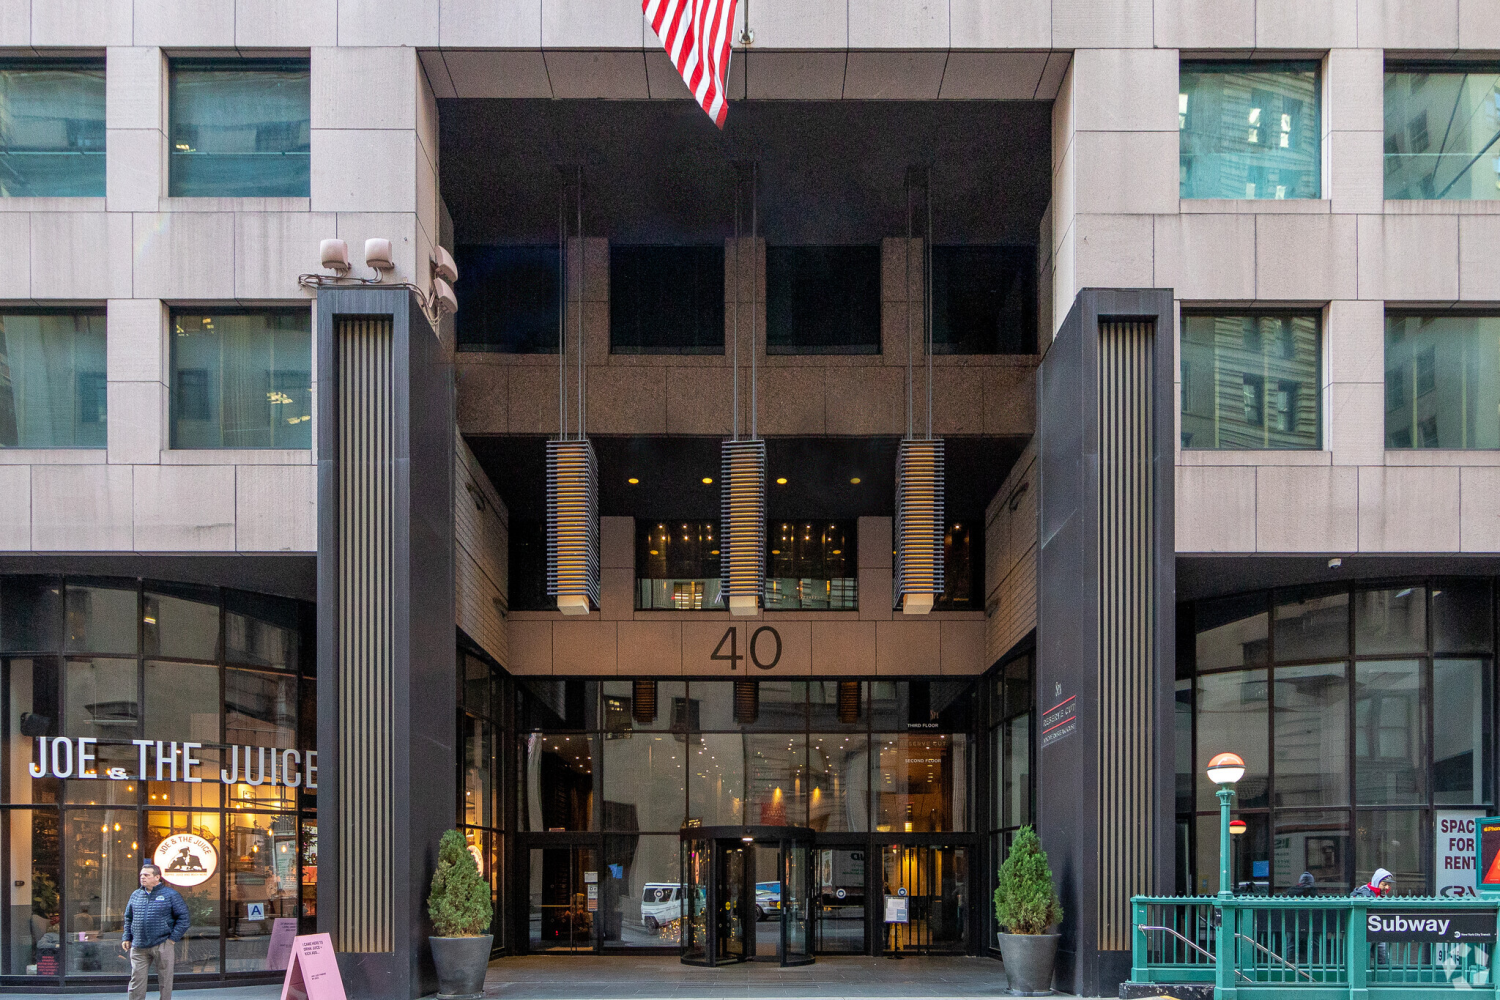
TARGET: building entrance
(746,895)
(935,881)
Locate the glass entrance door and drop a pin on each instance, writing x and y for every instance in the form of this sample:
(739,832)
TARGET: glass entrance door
(934,880)
(839,874)
(564,888)
(746,895)
(732,943)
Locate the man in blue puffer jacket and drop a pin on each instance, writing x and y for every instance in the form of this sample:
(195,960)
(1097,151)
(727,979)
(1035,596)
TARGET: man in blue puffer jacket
(156,918)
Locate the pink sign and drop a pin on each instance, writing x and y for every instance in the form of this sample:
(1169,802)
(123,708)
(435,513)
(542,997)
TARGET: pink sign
(279,952)
(314,971)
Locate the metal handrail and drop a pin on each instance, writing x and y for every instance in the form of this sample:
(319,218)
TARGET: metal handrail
(1260,947)
(1153,927)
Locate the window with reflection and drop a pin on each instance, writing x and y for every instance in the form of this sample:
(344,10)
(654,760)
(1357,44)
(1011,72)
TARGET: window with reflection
(508,301)
(116,660)
(1369,707)
(52,136)
(811,566)
(963,568)
(1442,380)
(919,783)
(242,379)
(1251,381)
(823,299)
(1441,126)
(239,128)
(54,391)
(677,566)
(1249,130)
(559,769)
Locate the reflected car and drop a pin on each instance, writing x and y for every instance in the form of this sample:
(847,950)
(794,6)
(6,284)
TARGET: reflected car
(661,903)
(767,899)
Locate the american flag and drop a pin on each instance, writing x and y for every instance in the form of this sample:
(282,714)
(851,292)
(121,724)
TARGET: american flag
(695,34)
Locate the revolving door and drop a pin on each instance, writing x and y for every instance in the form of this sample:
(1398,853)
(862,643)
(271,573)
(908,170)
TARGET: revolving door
(746,895)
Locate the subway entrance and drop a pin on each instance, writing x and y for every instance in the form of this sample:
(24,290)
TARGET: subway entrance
(746,895)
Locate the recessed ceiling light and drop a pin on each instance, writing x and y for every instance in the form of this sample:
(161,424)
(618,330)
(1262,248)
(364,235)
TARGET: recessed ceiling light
(855,480)
(632,481)
(708,479)
(781,481)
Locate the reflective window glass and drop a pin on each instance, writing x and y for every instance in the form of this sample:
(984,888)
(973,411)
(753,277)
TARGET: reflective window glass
(260,708)
(644,775)
(1249,130)
(559,780)
(1232,709)
(1017,765)
(103,792)
(101,699)
(677,566)
(1251,382)
(1390,621)
(54,394)
(185,626)
(838,705)
(776,782)
(1232,633)
(839,773)
(205,794)
(559,704)
(31,688)
(1440,133)
(666,299)
(1186,767)
(52,130)
(508,300)
(1316,842)
(1312,625)
(984,300)
(1393,839)
(260,631)
(242,379)
(262,868)
(642,705)
(1312,732)
(641,895)
(823,299)
(182,701)
(101,873)
(913,784)
(810,566)
(239,129)
(1462,617)
(101,619)
(33,869)
(30,613)
(1390,733)
(1442,381)
(1462,758)
(716,779)
(199,951)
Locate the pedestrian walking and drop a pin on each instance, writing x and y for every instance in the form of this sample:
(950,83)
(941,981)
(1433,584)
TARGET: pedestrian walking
(1381,884)
(156,918)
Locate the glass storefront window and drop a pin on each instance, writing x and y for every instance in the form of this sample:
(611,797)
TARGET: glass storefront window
(52,136)
(1312,626)
(477,780)
(1462,617)
(776,784)
(103,870)
(101,619)
(1017,772)
(838,705)
(239,129)
(101,699)
(1231,633)
(31,617)
(1250,857)
(839,774)
(1316,842)
(641,895)
(199,951)
(33,939)
(716,779)
(1232,709)
(1442,381)
(1249,130)
(1393,839)
(31,704)
(55,392)
(644,776)
(1390,621)
(261,868)
(1251,381)
(1440,130)
(1311,731)
(917,783)
(182,626)
(260,708)
(560,781)
(1390,733)
(242,379)
(182,701)
(1462,758)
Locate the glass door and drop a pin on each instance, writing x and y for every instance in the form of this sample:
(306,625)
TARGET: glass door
(839,874)
(796,906)
(564,891)
(934,880)
(733,944)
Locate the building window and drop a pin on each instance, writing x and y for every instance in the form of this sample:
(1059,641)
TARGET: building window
(963,568)
(508,301)
(666,299)
(984,300)
(677,566)
(239,128)
(1362,712)
(823,299)
(1442,381)
(1249,130)
(113,661)
(242,379)
(52,381)
(52,129)
(1251,381)
(811,566)
(1441,132)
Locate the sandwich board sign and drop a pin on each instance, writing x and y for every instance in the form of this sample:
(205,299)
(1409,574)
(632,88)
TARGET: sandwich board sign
(313,973)
(279,950)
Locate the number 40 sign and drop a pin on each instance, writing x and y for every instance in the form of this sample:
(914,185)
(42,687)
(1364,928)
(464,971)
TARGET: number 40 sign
(764,648)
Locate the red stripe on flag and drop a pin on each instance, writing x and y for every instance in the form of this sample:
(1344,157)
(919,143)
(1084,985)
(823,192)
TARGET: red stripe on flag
(697,38)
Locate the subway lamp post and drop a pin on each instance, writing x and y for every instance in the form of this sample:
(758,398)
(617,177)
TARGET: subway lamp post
(1224,770)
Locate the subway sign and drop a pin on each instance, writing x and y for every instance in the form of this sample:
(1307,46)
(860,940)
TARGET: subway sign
(1446,927)
(158,760)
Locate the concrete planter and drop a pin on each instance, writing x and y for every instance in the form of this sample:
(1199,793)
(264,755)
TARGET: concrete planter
(461,963)
(1029,959)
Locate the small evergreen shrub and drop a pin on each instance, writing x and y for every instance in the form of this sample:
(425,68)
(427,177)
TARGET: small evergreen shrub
(459,902)
(1025,902)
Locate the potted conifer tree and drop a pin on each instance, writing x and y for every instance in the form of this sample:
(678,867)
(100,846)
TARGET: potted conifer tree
(1027,907)
(460,907)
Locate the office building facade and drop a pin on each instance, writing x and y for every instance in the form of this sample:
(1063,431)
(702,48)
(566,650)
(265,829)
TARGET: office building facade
(1197,297)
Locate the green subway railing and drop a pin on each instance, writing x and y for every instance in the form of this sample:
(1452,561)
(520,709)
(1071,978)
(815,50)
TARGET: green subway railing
(1315,947)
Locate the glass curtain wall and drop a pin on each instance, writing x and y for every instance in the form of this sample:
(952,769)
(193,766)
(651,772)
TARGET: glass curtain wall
(52,129)
(1249,130)
(1364,714)
(611,771)
(52,380)
(1442,127)
(224,677)
(1012,718)
(1442,381)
